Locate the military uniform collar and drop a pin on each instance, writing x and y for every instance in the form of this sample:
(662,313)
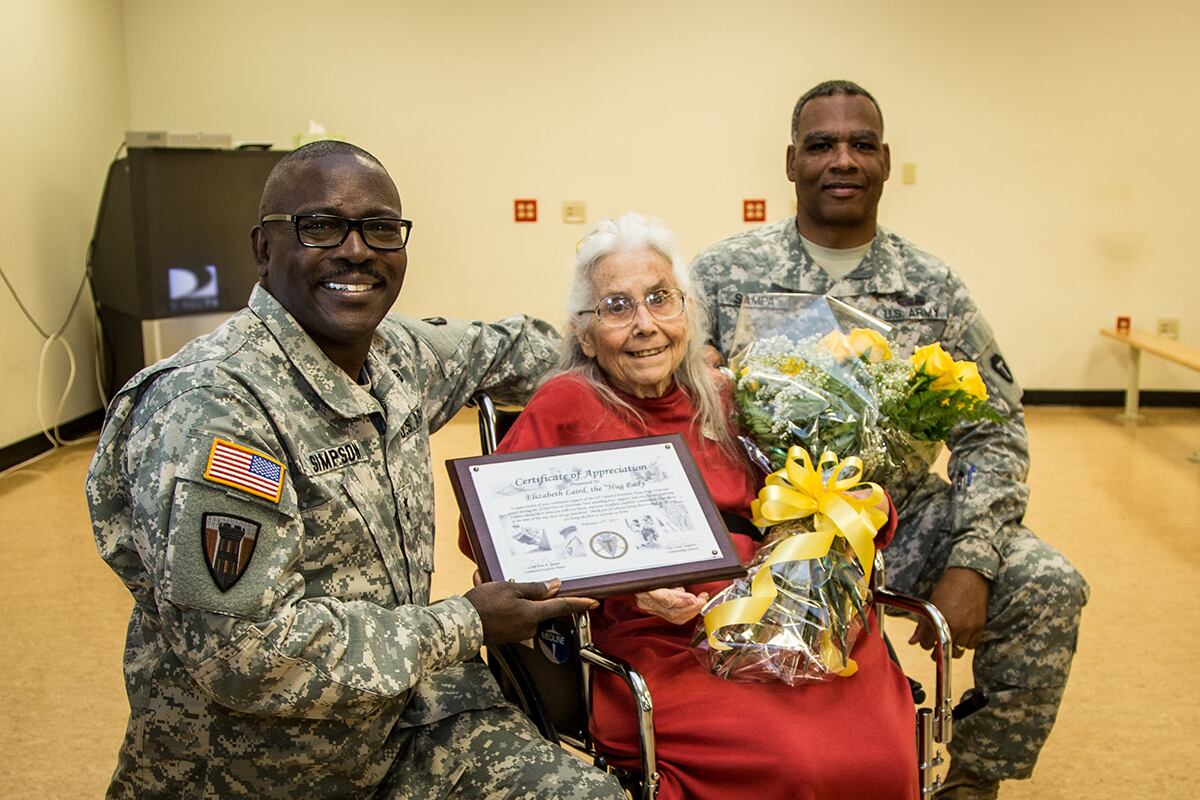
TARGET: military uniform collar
(327,380)
(798,273)
(879,273)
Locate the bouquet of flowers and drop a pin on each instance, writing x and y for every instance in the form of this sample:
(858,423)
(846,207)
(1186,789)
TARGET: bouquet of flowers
(815,372)
(816,378)
(797,613)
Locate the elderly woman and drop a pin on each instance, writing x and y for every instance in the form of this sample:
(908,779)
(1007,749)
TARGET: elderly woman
(634,367)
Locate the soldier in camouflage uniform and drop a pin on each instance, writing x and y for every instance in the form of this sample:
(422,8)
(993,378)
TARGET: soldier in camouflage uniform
(266,495)
(1004,591)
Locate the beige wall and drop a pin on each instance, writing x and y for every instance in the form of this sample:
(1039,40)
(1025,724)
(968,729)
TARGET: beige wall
(64,97)
(1054,142)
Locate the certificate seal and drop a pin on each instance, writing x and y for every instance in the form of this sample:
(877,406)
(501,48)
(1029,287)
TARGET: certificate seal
(608,544)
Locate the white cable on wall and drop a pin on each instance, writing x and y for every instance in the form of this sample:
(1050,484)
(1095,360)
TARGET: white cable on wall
(50,431)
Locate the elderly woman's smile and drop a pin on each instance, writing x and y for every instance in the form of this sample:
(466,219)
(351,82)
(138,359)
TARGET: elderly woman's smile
(639,356)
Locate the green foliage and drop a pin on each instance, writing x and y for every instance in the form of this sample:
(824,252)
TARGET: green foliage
(929,414)
(877,411)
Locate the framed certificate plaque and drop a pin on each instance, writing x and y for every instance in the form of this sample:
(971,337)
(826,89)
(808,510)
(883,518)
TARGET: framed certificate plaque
(605,518)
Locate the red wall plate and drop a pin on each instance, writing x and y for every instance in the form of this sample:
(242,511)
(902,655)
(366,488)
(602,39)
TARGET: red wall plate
(525,210)
(754,210)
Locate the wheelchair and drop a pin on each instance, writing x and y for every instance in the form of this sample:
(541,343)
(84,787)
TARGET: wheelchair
(549,677)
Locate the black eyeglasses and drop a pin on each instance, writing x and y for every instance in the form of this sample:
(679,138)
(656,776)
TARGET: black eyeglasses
(618,310)
(325,230)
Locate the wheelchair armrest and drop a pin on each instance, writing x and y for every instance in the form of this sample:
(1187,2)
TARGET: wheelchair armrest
(593,656)
(942,650)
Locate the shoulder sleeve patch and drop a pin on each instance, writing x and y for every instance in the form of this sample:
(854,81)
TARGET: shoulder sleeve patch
(228,545)
(237,466)
(1001,367)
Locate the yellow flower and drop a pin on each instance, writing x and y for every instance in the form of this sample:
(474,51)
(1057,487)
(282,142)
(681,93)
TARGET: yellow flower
(791,365)
(870,345)
(933,360)
(949,375)
(962,376)
(969,380)
(837,343)
(946,382)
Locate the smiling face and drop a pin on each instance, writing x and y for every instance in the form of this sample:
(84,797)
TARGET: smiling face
(839,164)
(640,358)
(340,294)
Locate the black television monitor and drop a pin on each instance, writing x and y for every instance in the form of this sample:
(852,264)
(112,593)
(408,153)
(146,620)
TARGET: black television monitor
(173,232)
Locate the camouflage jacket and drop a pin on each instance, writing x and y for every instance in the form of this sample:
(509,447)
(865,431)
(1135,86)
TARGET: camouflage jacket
(926,302)
(280,668)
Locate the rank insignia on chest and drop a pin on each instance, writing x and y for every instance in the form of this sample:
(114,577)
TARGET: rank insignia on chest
(228,545)
(231,464)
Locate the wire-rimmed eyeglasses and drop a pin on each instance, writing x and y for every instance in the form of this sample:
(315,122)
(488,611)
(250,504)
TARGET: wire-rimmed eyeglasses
(619,310)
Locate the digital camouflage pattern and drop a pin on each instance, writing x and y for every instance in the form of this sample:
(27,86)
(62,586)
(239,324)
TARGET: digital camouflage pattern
(492,753)
(975,520)
(313,673)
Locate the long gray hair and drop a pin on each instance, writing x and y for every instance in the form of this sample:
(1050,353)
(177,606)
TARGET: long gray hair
(633,232)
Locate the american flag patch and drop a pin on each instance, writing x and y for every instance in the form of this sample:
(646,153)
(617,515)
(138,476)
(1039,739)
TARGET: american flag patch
(242,468)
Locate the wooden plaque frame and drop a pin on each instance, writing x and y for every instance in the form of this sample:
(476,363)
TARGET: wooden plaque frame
(725,565)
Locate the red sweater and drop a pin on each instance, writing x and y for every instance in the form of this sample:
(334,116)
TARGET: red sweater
(717,739)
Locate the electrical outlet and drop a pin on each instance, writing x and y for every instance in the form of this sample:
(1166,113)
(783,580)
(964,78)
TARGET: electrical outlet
(574,211)
(1169,327)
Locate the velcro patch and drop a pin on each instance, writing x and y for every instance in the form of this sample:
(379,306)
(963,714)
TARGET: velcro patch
(910,310)
(411,423)
(228,545)
(1001,367)
(235,465)
(333,458)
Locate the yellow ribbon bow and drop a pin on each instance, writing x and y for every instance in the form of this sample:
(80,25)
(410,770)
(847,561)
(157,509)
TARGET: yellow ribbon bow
(797,491)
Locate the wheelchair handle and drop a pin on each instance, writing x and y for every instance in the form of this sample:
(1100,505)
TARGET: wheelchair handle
(942,648)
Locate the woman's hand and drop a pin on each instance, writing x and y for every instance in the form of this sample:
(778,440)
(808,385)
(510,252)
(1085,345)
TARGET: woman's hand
(864,493)
(675,605)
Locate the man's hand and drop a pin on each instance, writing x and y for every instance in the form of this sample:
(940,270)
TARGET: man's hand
(676,606)
(962,596)
(511,611)
(711,356)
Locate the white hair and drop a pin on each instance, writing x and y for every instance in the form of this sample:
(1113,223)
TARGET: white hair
(634,232)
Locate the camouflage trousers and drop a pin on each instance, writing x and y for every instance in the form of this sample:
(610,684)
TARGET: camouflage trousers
(493,753)
(1024,656)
